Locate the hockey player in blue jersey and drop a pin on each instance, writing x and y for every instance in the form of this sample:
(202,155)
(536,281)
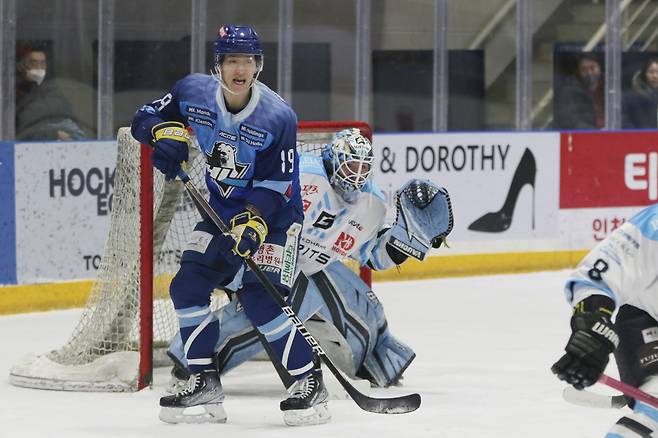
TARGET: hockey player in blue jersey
(248,135)
(620,274)
(345,218)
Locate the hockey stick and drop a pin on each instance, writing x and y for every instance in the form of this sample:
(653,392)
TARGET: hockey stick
(629,390)
(583,397)
(396,405)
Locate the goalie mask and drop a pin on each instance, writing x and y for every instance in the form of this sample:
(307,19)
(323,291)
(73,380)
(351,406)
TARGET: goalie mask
(349,162)
(236,40)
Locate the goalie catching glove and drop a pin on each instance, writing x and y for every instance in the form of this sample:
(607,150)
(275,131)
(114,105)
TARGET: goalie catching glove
(170,142)
(592,340)
(249,231)
(424,218)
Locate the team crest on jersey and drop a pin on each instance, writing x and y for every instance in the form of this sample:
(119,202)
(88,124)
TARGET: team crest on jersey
(223,165)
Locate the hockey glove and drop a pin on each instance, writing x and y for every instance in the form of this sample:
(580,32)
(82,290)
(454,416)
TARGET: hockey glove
(249,230)
(170,142)
(592,340)
(424,218)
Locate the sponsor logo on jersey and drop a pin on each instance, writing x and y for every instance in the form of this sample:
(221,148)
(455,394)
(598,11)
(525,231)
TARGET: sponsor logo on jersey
(227,135)
(309,189)
(253,131)
(200,121)
(313,254)
(324,221)
(222,164)
(269,258)
(344,243)
(356,225)
(306,204)
(650,335)
(201,112)
(250,142)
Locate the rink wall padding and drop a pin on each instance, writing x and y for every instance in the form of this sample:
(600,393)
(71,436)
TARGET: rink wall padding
(522,201)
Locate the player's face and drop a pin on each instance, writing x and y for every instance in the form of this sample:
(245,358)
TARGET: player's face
(356,172)
(238,72)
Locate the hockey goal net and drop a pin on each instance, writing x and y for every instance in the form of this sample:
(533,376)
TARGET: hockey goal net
(129,320)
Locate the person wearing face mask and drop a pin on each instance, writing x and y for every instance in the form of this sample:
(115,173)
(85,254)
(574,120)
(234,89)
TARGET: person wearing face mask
(640,105)
(580,101)
(42,112)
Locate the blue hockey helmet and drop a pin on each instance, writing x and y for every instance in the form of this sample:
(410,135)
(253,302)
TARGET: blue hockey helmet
(237,39)
(349,160)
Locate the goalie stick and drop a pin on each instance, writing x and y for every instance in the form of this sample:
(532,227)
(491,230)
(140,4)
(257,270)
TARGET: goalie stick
(395,405)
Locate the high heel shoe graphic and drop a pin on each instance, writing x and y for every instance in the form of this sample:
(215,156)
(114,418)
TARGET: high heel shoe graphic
(498,221)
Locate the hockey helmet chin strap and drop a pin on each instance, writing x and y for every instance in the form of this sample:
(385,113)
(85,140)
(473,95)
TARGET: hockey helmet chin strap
(216,73)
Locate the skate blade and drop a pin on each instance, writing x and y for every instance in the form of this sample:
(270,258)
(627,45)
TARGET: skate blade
(318,414)
(213,413)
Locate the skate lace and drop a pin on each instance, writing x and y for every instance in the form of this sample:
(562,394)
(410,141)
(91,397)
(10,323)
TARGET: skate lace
(192,383)
(304,388)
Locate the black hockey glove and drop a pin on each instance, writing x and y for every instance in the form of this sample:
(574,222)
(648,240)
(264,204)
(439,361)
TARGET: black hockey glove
(592,340)
(170,140)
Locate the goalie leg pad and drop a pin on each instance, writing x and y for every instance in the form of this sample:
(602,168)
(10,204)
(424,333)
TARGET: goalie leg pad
(424,218)
(388,362)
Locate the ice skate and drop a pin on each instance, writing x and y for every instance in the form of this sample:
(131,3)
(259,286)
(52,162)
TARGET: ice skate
(307,404)
(204,390)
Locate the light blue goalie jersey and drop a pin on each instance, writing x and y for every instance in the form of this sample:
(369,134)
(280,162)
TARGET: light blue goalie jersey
(251,156)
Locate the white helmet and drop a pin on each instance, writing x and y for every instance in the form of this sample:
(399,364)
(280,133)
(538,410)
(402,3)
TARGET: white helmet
(349,161)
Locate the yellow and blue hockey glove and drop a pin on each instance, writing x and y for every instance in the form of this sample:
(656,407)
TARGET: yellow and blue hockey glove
(170,143)
(249,230)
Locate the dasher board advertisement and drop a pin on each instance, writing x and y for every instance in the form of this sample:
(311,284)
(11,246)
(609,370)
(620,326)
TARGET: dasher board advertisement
(606,177)
(63,208)
(503,185)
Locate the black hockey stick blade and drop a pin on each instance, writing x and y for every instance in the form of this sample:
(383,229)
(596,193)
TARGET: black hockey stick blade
(395,405)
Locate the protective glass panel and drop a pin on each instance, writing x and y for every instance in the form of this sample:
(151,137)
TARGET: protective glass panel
(639,70)
(151,52)
(55,91)
(482,67)
(402,65)
(568,65)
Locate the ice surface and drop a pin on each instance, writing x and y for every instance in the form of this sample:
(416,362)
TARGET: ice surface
(484,345)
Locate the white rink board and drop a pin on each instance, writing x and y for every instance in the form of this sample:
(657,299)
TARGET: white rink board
(478,169)
(585,227)
(63,195)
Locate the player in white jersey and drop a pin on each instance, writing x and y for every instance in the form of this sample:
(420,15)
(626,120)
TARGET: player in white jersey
(344,213)
(620,273)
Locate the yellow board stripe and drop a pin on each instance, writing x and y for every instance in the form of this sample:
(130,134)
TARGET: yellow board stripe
(481,264)
(50,296)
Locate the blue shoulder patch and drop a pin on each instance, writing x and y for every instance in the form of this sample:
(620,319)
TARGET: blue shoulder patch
(647,222)
(309,163)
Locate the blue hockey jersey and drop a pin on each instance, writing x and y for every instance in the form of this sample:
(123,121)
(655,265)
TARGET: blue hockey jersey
(251,156)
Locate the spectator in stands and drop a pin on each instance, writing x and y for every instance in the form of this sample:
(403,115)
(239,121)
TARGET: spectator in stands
(640,106)
(42,111)
(580,101)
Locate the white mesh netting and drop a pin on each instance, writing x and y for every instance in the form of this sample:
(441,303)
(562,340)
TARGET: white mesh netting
(102,352)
